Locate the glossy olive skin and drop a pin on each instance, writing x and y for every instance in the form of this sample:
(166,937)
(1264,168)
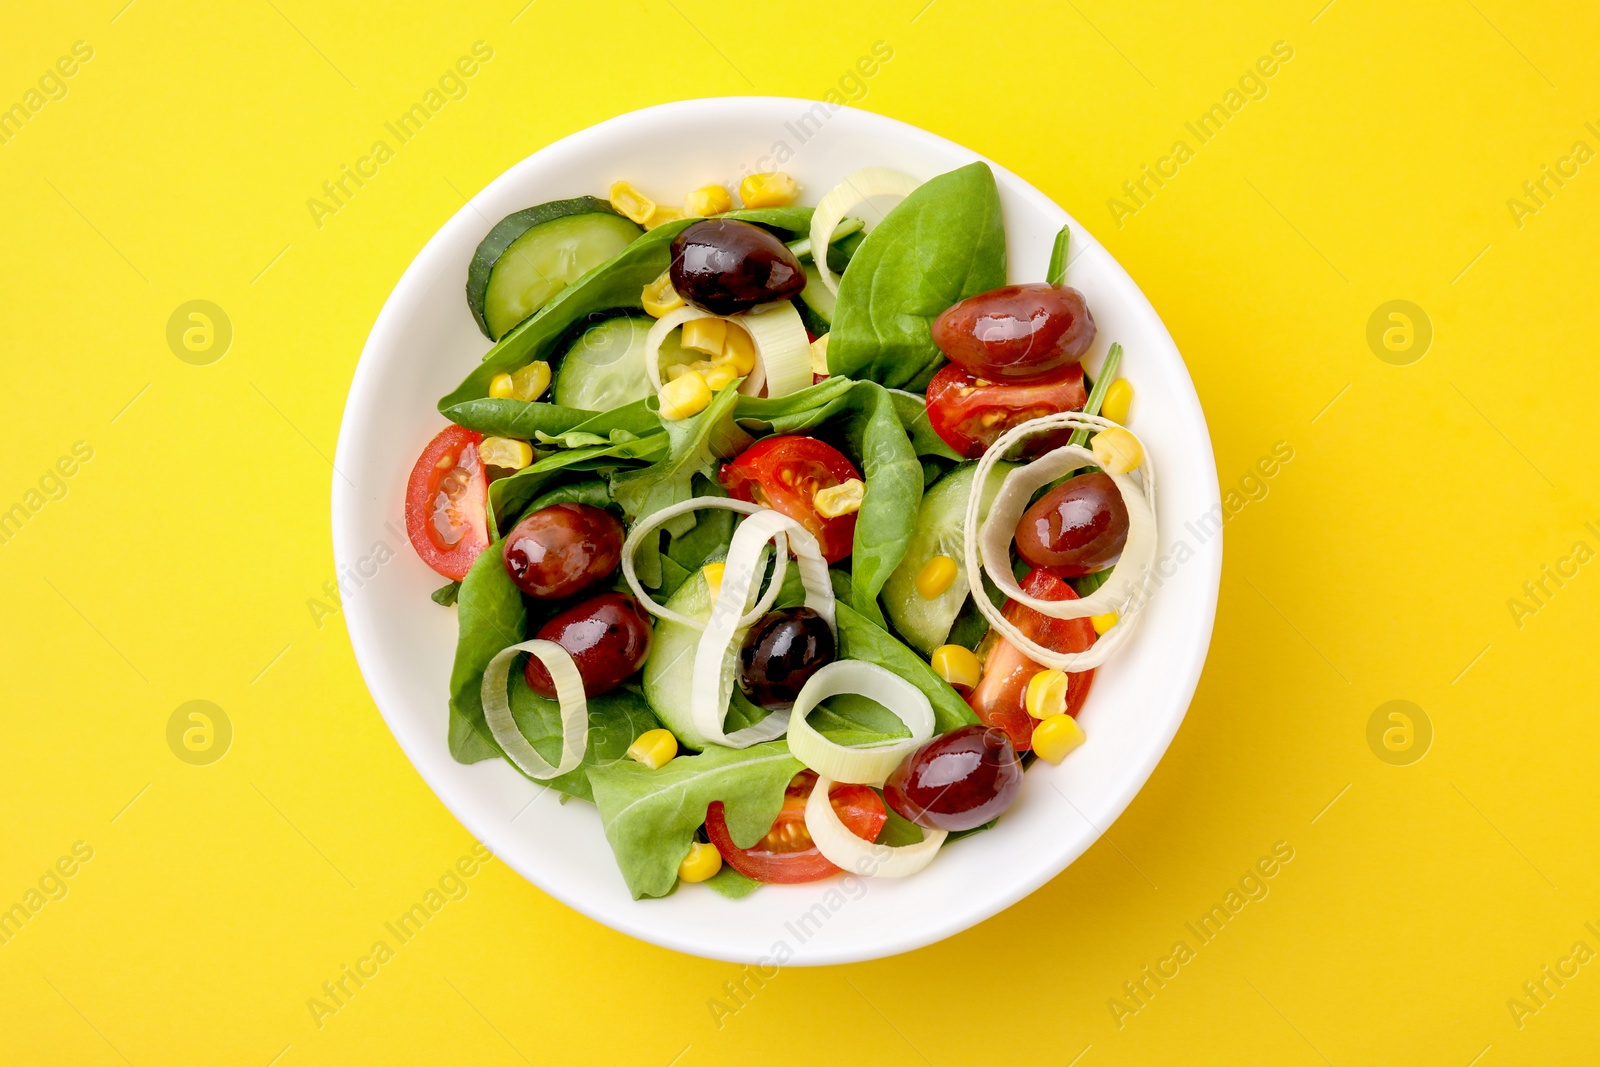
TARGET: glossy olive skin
(1078,527)
(608,637)
(958,781)
(725,266)
(563,549)
(781,653)
(1016,332)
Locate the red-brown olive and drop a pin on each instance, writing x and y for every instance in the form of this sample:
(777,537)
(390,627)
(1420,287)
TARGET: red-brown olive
(608,637)
(1078,527)
(781,653)
(958,781)
(725,266)
(1016,332)
(562,549)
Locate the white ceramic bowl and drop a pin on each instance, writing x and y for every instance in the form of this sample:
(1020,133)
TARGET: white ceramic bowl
(425,341)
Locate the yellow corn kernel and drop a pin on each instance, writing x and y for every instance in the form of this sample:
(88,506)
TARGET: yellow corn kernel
(708,200)
(842,499)
(713,573)
(768,190)
(720,376)
(1116,450)
(632,203)
(957,665)
(659,297)
(500,387)
(819,355)
(1056,736)
(661,216)
(1102,623)
(701,863)
(936,576)
(686,395)
(654,748)
(530,381)
(1046,694)
(506,453)
(738,346)
(1118,398)
(705,335)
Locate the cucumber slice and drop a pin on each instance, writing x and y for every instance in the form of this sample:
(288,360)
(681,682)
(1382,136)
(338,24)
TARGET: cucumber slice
(532,255)
(818,298)
(925,623)
(604,367)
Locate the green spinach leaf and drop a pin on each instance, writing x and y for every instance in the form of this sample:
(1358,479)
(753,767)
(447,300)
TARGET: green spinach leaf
(860,638)
(491,617)
(615,720)
(943,243)
(650,816)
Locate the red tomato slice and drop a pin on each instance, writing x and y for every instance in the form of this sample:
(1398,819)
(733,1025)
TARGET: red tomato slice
(998,697)
(446,503)
(971,413)
(787,853)
(784,473)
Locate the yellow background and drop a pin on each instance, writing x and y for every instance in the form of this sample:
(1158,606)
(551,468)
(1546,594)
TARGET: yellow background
(1379,566)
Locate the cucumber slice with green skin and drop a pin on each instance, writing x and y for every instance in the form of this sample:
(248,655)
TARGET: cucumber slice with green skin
(604,367)
(924,623)
(818,298)
(532,255)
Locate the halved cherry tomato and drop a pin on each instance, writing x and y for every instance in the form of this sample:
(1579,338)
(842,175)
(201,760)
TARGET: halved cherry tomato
(971,413)
(445,503)
(998,697)
(784,473)
(787,853)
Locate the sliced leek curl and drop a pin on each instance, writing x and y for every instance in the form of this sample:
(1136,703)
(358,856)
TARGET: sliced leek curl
(869,860)
(1124,593)
(782,347)
(647,527)
(716,655)
(569,693)
(858,187)
(868,764)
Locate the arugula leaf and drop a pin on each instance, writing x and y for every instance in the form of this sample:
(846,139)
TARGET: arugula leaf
(616,719)
(509,497)
(491,617)
(861,639)
(650,816)
(445,595)
(943,243)
(617,283)
(696,446)
(731,884)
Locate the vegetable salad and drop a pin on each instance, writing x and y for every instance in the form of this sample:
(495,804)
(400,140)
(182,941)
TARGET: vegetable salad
(787,540)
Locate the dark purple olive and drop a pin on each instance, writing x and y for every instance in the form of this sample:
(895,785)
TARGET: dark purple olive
(608,637)
(1078,527)
(563,549)
(958,781)
(781,653)
(725,266)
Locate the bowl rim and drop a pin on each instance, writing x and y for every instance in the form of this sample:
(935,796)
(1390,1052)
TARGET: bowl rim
(634,918)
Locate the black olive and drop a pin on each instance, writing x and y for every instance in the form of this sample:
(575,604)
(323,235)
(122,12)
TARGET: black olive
(725,266)
(781,652)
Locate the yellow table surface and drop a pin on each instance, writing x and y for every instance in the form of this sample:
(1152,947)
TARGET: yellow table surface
(1435,910)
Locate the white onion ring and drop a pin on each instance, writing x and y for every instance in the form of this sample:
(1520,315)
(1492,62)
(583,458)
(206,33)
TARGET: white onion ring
(657,519)
(844,849)
(569,692)
(857,188)
(869,764)
(712,684)
(1125,592)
